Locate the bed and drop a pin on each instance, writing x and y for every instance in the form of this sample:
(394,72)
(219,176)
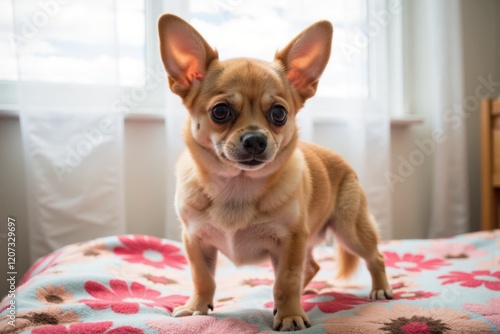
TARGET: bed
(131,283)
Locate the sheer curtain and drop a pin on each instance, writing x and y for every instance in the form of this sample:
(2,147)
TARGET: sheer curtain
(450,202)
(436,90)
(71,120)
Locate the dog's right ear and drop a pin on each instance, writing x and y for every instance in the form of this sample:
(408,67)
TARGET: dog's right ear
(185,54)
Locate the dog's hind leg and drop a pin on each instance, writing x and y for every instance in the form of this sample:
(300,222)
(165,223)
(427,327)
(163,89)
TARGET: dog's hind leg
(310,270)
(356,235)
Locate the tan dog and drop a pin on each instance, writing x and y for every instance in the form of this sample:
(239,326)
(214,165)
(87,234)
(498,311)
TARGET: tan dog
(246,186)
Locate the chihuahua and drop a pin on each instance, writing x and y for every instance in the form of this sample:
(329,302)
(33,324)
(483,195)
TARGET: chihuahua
(246,186)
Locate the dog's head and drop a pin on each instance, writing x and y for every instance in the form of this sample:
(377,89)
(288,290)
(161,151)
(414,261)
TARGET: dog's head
(242,111)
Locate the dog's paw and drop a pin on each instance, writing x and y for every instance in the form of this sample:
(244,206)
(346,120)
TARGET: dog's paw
(192,309)
(290,323)
(381,294)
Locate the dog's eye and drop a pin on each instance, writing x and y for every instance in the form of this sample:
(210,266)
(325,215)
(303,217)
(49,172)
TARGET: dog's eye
(278,115)
(221,113)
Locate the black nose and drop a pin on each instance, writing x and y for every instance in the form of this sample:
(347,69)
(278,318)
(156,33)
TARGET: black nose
(254,142)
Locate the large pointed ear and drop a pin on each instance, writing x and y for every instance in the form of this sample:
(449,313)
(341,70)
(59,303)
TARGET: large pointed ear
(185,54)
(306,56)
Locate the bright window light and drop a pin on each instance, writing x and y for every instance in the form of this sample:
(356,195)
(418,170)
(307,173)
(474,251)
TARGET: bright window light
(77,45)
(72,42)
(258,28)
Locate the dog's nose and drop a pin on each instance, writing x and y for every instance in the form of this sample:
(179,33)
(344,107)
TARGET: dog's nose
(254,142)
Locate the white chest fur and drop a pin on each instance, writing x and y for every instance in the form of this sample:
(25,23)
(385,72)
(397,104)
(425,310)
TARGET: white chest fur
(240,230)
(251,244)
(244,218)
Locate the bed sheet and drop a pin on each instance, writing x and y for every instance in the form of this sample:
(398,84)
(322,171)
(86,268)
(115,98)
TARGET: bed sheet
(131,283)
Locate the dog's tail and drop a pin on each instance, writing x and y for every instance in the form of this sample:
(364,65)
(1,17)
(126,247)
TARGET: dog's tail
(347,262)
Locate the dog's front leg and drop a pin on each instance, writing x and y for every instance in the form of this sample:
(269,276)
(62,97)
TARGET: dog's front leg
(202,258)
(289,268)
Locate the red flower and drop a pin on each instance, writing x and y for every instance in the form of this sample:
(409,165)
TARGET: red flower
(150,251)
(491,280)
(124,299)
(329,302)
(412,262)
(411,295)
(94,328)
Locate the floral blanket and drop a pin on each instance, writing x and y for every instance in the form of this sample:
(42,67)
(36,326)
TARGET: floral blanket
(131,283)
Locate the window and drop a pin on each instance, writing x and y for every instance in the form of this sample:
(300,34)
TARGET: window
(71,48)
(74,42)
(258,28)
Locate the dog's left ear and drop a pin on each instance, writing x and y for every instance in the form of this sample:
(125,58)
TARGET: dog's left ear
(306,56)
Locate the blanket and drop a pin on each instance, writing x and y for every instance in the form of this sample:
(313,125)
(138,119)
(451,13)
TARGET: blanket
(131,283)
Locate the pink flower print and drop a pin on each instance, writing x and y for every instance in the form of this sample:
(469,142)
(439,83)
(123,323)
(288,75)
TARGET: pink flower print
(412,262)
(94,328)
(203,325)
(491,280)
(453,251)
(151,251)
(125,299)
(490,310)
(329,302)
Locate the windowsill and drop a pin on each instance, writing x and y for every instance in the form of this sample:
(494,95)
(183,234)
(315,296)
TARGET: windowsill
(9,112)
(406,121)
(149,115)
(158,116)
(145,117)
(396,121)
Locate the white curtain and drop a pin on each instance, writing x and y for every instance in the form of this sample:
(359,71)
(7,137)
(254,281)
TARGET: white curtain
(450,202)
(444,91)
(174,124)
(71,123)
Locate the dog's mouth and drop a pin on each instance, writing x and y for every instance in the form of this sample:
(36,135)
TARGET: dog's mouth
(247,163)
(251,163)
